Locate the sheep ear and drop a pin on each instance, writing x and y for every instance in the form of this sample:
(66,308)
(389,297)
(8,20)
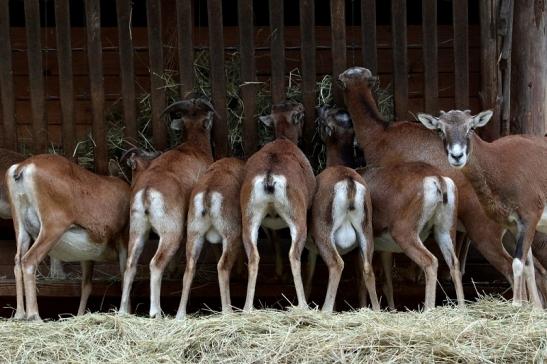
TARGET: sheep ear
(481,119)
(429,121)
(266,120)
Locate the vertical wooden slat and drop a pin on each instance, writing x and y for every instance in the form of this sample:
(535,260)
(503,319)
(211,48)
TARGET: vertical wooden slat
(127,68)
(338,33)
(95,62)
(400,69)
(307,39)
(277,38)
(218,82)
(368,31)
(248,75)
(66,86)
(505,35)
(185,47)
(157,91)
(36,77)
(430,53)
(461,54)
(6,80)
(489,67)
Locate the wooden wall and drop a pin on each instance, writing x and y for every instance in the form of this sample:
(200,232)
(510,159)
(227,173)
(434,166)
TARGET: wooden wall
(112,83)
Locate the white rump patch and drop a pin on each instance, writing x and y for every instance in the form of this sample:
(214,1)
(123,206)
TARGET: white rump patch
(347,224)
(161,219)
(207,221)
(272,205)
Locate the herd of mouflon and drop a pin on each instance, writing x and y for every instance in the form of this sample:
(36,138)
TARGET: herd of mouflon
(420,180)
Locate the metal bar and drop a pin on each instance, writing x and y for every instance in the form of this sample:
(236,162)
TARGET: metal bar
(66,85)
(127,68)
(277,42)
(461,54)
(248,75)
(6,80)
(307,39)
(431,58)
(157,90)
(218,82)
(400,68)
(95,62)
(36,76)
(185,47)
(338,33)
(368,31)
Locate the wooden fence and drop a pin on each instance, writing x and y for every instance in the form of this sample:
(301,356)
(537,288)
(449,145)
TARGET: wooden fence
(277,50)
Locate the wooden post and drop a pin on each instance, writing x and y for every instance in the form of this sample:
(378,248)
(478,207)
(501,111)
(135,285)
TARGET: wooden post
(529,68)
(185,47)
(6,80)
(461,54)
(218,81)
(505,35)
(489,67)
(368,31)
(66,86)
(277,26)
(400,63)
(431,59)
(338,51)
(307,46)
(36,76)
(95,62)
(157,83)
(127,69)
(248,75)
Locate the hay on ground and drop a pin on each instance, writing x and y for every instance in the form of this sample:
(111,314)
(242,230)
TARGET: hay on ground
(490,330)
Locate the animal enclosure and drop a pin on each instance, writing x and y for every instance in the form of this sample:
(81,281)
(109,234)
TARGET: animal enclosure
(89,79)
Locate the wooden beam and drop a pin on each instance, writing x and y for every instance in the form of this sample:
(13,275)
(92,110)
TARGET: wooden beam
(277,44)
(95,62)
(489,67)
(400,63)
(6,80)
(307,46)
(248,75)
(157,83)
(368,30)
(218,82)
(529,68)
(36,76)
(338,34)
(127,69)
(185,47)
(431,59)
(66,86)
(461,54)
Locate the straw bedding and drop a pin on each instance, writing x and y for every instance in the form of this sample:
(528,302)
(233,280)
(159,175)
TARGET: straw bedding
(490,330)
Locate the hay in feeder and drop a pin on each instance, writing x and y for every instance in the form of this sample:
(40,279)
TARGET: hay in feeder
(490,330)
(117,142)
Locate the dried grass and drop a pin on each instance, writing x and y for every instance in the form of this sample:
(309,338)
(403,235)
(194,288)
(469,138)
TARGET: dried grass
(490,330)
(118,143)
